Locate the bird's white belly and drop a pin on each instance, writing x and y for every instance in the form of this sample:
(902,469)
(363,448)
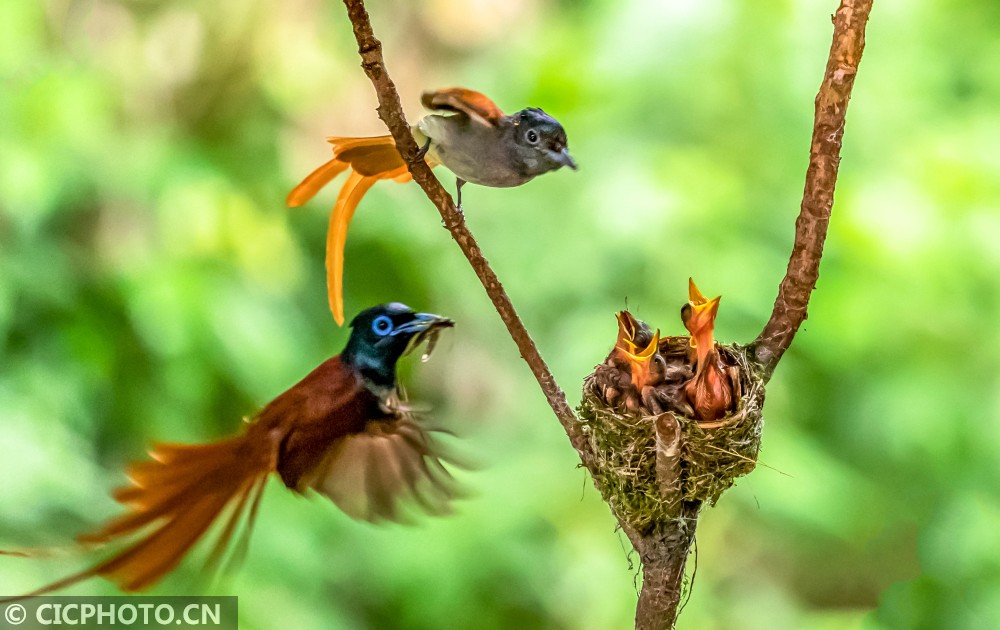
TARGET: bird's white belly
(473,153)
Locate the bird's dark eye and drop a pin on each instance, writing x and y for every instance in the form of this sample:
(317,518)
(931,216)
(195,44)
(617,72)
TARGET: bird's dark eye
(531,136)
(382,325)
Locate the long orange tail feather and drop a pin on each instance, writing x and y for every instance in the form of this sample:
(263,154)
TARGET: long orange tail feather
(173,500)
(370,160)
(237,511)
(314,182)
(336,237)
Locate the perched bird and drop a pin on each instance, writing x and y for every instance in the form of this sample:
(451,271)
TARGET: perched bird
(473,138)
(709,391)
(343,431)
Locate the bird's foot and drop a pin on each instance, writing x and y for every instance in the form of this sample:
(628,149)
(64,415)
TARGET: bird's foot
(459,182)
(422,151)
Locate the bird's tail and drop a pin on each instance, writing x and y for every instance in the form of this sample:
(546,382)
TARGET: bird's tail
(172,501)
(370,160)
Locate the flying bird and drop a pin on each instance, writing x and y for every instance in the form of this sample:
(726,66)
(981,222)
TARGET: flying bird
(344,431)
(471,136)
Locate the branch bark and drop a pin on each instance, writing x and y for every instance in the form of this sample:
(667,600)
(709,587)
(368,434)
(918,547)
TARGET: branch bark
(664,557)
(391,112)
(821,179)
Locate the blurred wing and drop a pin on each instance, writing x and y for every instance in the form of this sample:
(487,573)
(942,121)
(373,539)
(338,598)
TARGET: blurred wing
(473,104)
(371,475)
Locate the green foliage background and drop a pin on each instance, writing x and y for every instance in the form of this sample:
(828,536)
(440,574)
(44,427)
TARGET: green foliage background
(154,286)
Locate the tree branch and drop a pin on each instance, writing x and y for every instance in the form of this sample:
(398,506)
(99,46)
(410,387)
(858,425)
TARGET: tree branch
(664,557)
(391,112)
(821,179)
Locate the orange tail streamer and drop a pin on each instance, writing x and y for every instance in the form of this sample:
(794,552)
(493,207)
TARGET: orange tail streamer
(336,238)
(370,160)
(373,157)
(314,182)
(173,500)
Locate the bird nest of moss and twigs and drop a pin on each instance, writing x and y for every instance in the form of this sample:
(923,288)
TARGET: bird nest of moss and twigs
(654,446)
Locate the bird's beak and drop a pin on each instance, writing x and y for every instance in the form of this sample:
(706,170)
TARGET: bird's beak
(694,294)
(701,311)
(423,322)
(641,362)
(423,327)
(564,158)
(699,318)
(627,327)
(702,320)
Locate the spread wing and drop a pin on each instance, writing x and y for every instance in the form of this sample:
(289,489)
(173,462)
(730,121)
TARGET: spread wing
(369,458)
(372,475)
(475,105)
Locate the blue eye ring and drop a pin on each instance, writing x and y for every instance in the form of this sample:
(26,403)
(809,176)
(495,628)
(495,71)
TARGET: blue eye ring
(382,325)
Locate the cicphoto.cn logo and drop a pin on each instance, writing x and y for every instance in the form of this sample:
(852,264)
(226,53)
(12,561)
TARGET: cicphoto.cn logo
(121,612)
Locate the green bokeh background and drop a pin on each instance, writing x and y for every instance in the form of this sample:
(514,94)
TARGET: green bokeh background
(154,286)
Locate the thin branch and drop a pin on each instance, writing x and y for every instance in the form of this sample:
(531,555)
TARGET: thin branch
(391,112)
(821,180)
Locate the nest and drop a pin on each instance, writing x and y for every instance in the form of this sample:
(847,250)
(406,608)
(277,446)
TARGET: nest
(711,455)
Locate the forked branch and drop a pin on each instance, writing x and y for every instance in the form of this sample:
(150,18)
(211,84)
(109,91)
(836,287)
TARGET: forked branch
(664,554)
